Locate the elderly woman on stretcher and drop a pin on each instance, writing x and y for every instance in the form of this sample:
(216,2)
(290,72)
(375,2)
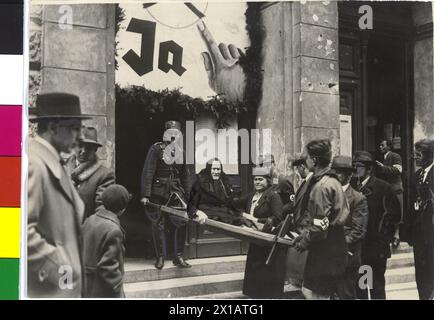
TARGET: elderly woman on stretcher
(213,194)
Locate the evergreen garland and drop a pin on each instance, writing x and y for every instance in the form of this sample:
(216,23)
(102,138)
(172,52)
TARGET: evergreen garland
(163,100)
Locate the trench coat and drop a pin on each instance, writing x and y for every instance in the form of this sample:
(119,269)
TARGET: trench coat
(103,255)
(263,281)
(55,214)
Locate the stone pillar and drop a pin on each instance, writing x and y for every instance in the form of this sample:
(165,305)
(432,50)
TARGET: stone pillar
(301,77)
(423,72)
(315,73)
(78,58)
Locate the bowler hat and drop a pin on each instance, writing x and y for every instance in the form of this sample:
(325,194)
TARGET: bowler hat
(57,105)
(363,156)
(342,162)
(115,198)
(89,135)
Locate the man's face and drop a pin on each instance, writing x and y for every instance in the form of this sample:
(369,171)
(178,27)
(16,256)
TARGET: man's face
(260,183)
(383,147)
(422,159)
(86,151)
(216,170)
(65,134)
(361,170)
(302,171)
(310,163)
(344,176)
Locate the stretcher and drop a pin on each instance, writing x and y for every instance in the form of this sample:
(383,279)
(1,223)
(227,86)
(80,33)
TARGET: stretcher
(242,233)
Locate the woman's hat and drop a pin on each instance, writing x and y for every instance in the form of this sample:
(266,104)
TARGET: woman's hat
(262,172)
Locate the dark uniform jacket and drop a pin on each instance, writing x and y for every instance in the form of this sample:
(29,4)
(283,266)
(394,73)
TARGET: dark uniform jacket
(103,253)
(389,173)
(91,179)
(159,179)
(356,225)
(384,215)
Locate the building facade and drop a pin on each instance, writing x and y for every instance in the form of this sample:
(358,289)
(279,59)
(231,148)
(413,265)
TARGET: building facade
(323,76)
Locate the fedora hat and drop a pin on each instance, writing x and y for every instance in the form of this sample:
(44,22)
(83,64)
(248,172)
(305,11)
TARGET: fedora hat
(89,135)
(364,157)
(57,105)
(342,162)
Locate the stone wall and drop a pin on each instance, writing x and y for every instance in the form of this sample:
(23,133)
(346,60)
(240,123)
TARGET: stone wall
(423,74)
(301,77)
(77,56)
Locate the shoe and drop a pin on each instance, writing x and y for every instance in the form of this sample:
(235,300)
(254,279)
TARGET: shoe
(395,243)
(180,262)
(159,264)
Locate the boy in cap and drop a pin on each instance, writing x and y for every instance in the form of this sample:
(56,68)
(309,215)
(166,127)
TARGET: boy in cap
(103,246)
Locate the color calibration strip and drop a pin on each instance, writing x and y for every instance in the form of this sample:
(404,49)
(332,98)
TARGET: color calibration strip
(11,101)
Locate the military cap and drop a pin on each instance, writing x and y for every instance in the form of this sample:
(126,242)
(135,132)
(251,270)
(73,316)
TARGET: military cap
(172,125)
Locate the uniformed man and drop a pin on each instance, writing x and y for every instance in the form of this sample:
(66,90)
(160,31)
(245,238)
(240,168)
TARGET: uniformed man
(422,219)
(165,175)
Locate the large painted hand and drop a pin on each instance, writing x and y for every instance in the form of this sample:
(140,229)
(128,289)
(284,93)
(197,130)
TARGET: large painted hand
(226,76)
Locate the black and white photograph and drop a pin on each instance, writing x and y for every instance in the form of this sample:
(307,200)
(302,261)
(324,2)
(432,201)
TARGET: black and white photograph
(228,150)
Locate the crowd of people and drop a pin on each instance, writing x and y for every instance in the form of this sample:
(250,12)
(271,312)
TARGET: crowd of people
(344,213)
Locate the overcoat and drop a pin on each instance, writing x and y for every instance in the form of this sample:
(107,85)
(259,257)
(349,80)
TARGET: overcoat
(55,214)
(91,179)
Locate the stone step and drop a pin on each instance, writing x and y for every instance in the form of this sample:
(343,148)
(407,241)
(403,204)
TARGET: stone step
(400,260)
(185,287)
(400,275)
(139,270)
(403,248)
(402,291)
(401,286)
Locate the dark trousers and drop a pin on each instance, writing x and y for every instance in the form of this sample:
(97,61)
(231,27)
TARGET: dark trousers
(378,290)
(424,267)
(346,288)
(161,223)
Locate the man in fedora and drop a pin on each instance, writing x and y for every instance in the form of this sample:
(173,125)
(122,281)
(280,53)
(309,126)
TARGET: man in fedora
(354,228)
(55,209)
(422,218)
(90,177)
(165,174)
(384,215)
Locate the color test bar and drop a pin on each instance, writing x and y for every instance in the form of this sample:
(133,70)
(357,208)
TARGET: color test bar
(11,101)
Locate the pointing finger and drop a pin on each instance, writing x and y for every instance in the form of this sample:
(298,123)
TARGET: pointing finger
(210,43)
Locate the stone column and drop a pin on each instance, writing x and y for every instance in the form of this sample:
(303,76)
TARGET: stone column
(78,57)
(301,77)
(315,73)
(423,72)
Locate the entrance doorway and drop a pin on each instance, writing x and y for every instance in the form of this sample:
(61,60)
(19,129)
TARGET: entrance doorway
(376,79)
